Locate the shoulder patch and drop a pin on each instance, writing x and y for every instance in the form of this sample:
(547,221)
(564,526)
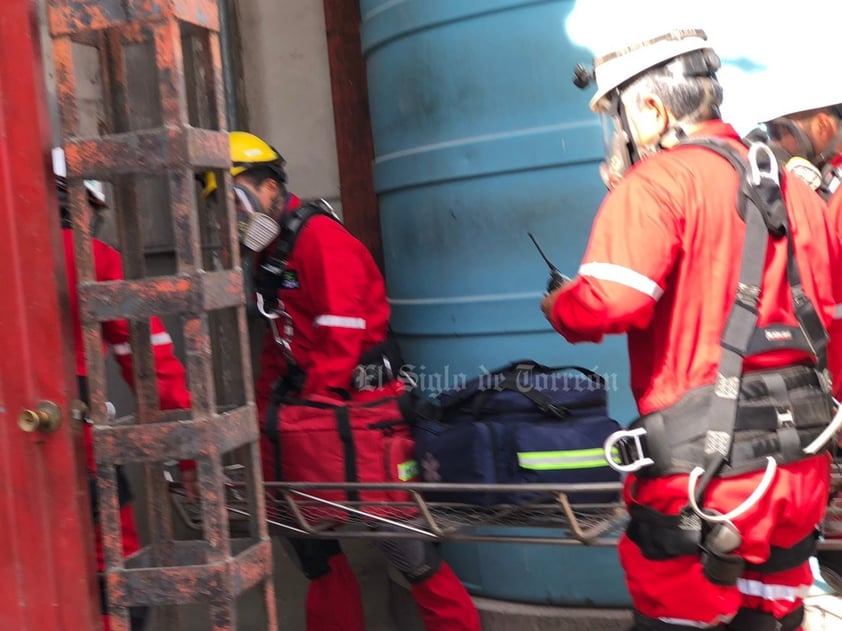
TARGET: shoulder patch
(289,280)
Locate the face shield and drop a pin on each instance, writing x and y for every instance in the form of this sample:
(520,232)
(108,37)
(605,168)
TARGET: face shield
(256,228)
(617,143)
(789,135)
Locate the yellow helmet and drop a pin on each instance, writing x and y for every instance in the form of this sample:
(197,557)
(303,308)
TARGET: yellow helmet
(247,152)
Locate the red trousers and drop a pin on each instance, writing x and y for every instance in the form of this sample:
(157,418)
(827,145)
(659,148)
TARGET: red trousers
(334,602)
(675,590)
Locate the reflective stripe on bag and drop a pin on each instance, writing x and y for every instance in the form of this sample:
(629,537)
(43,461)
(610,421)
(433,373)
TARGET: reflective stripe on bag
(560,460)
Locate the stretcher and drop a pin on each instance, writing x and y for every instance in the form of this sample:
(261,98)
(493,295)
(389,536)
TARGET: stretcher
(550,517)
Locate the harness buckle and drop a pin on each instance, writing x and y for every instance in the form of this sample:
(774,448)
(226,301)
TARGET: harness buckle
(785,418)
(626,445)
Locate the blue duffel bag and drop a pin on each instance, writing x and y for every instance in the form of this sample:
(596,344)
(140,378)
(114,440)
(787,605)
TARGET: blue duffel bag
(522,423)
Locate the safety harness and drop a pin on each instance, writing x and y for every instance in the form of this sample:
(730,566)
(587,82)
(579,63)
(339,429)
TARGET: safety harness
(743,421)
(377,366)
(270,278)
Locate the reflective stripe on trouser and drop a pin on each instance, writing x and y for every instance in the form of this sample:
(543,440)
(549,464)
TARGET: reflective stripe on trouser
(788,513)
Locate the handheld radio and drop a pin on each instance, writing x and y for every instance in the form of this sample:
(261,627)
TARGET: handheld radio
(557,279)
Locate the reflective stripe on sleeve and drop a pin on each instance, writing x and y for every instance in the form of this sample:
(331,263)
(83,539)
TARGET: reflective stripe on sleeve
(837,312)
(340,322)
(623,276)
(157,339)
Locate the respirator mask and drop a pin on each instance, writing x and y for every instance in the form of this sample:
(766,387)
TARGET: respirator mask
(255,227)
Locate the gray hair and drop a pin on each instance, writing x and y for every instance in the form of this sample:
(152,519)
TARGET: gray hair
(693,98)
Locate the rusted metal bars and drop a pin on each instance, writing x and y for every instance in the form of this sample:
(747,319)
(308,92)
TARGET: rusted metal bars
(166,572)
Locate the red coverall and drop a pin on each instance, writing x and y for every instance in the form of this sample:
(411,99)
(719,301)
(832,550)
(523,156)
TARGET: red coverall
(172,387)
(662,267)
(336,296)
(834,204)
(833,525)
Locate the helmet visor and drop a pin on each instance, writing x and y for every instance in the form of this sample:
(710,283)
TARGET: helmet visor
(616,143)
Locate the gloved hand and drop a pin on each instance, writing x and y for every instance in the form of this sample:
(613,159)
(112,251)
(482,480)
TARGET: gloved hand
(549,300)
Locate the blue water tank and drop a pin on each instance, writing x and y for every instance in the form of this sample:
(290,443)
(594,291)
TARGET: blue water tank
(480,137)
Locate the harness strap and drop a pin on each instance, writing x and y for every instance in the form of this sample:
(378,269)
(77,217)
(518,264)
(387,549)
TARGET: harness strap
(660,536)
(343,426)
(808,319)
(739,328)
(269,276)
(790,444)
(781,559)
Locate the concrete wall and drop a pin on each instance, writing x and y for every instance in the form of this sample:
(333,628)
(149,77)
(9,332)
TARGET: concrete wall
(287,86)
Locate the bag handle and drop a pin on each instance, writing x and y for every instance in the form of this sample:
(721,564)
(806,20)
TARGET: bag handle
(513,370)
(590,374)
(541,400)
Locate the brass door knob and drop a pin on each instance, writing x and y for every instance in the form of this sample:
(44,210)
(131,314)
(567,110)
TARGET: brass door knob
(46,417)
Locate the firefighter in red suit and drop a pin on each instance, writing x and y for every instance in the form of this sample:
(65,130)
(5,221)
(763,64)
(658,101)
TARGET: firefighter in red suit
(338,315)
(725,546)
(169,371)
(806,122)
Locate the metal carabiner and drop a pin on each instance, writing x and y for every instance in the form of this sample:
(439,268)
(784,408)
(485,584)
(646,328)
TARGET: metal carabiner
(751,500)
(611,443)
(281,338)
(756,173)
(828,432)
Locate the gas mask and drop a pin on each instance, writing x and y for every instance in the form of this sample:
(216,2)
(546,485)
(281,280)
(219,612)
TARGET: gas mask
(256,228)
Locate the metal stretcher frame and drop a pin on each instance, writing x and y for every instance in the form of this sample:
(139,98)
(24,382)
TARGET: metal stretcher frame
(551,517)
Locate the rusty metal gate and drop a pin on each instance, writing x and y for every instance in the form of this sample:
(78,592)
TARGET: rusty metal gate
(48,577)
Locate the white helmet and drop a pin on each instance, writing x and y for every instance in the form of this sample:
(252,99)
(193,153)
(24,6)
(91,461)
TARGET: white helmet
(96,192)
(616,68)
(789,97)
